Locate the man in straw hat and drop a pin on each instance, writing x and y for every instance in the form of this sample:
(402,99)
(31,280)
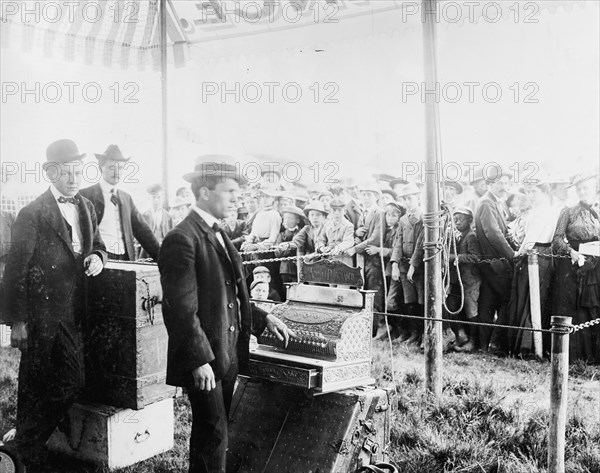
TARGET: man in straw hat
(56,246)
(119,220)
(207,311)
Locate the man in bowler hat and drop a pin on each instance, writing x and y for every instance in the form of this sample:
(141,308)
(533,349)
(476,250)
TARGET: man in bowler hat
(119,220)
(56,245)
(207,311)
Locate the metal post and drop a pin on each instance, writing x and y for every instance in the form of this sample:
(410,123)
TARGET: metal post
(433,264)
(534,300)
(164,117)
(559,379)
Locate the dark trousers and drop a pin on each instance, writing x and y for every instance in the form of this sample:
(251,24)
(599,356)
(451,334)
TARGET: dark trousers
(210,412)
(493,297)
(51,378)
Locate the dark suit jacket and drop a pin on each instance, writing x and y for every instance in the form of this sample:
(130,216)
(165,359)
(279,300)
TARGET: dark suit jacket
(132,223)
(375,224)
(44,279)
(200,306)
(237,235)
(491,231)
(353,213)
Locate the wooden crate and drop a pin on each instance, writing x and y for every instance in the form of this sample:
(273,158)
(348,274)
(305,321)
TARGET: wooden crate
(115,437)
(275,428)
(126,339)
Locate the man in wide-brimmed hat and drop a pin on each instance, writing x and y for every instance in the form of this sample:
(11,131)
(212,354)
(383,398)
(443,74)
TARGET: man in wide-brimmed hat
(56,245)
(119,220)
(207,311)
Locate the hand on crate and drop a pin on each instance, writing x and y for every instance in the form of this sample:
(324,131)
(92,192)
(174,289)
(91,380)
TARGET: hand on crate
(93,265)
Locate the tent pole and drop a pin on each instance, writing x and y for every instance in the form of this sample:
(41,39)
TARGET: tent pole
(163,77)
(433,266)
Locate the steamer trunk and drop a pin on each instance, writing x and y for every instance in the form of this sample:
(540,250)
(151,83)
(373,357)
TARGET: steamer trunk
(275,428)
(126,341)
(116,437)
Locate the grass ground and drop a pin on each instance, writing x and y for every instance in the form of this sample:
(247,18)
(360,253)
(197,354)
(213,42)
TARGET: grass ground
(492,419)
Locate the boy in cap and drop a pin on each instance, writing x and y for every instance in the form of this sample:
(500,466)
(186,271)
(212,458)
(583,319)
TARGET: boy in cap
(407,259)
(393,214)
(305,241)
(180,207)
(338,234)
(262,274)
(157,218)
(371,232)
(464,261)
(293,220)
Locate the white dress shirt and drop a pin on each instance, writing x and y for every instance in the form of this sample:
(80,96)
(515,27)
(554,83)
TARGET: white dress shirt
(540,225)
(110,227)
(70,212)
(210,221)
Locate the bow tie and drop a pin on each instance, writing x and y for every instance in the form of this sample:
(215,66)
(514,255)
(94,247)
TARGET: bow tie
(216,228)
(68,200)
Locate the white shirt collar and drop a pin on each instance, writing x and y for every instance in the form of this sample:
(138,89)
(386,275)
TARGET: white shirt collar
(106,187)
(208,218)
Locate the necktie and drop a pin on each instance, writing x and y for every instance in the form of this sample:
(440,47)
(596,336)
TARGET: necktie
(68,200)
(113,197)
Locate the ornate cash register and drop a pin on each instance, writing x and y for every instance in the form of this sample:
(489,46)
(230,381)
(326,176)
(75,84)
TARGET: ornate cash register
(332,319)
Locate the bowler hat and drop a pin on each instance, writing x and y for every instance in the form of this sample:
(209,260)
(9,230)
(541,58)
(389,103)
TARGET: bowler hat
(63,151)
(154,189)
(316,205)
(214,165)
(293,210)
(112,152)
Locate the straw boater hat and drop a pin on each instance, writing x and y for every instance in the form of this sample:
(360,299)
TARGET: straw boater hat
(293,210)
(62,151)
(581,178)
(316,205)
(370,187)
(113,153)
(215,165)
(409,189)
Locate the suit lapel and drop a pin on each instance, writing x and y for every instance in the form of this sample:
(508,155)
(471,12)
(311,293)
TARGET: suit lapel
(53,216)
(99,202)
(85,220)
(210,234)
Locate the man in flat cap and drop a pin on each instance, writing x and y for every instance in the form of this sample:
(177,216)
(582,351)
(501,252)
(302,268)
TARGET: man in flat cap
(56,245)
(207,311)
(119,220)
(157,217)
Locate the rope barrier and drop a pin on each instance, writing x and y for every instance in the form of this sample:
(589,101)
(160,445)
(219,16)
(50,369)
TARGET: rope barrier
(283,258)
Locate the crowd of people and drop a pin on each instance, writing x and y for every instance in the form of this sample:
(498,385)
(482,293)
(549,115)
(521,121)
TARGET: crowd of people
(223,239)
(494,223)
